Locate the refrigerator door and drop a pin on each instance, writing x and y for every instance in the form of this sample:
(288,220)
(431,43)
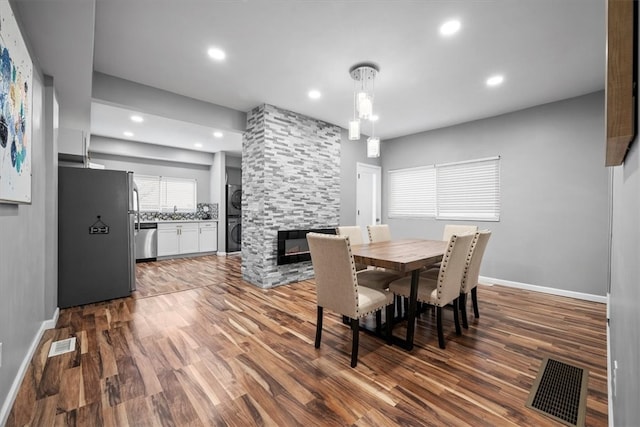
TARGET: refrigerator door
(95,257)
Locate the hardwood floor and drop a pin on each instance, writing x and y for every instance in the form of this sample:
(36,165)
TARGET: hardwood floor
(198,346)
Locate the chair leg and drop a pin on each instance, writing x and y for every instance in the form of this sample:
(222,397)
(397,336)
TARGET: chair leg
(319,327)
(474,299)
(355,326)
(455,317)
(389,315)
(462,303)
(378,321)
(439,326)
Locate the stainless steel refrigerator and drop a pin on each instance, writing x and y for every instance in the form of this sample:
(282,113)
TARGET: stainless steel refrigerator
(96,217)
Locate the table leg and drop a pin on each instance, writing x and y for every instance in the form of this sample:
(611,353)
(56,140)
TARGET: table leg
(413,299)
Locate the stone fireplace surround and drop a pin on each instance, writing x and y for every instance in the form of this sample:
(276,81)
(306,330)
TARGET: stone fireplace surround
(290,181)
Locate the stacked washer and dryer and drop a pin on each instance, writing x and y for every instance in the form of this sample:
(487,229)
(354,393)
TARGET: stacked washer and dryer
(234,218)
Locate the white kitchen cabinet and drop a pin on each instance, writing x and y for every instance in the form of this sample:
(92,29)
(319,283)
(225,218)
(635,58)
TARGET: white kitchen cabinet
(208,237)
(177,238)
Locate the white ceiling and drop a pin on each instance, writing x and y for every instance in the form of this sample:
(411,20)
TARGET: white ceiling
(277,50)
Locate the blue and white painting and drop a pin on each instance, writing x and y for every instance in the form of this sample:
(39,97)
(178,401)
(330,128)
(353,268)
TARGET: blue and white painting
(16,72)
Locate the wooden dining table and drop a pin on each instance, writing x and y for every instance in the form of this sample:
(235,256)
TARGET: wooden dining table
(404,256)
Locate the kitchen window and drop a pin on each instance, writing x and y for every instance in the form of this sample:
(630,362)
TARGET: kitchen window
(467,190)
(166,194)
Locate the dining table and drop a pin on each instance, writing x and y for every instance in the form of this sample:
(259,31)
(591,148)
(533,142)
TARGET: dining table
(404,256)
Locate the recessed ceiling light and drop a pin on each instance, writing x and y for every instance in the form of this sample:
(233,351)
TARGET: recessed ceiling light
(495,80)
(137,119)
(198,145)
(450,27)
(218,134)
(127,134)
(314,94)
(216,53)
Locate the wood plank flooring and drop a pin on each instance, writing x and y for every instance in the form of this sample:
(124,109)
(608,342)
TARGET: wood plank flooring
(197,346)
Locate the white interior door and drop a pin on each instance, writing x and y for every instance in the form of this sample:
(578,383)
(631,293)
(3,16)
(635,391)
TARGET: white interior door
(368,195)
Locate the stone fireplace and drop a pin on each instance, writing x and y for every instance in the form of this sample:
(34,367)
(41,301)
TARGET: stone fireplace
(290,181)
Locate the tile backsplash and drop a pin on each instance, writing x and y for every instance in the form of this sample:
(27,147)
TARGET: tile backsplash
(203,211)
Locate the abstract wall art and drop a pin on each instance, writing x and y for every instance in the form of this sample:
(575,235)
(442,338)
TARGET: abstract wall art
(16,71)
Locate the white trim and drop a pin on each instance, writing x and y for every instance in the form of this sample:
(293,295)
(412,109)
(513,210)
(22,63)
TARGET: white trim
(544,289)
(485,159)
(15,387)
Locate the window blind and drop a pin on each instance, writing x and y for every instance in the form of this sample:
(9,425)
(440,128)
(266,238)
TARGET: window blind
(163,194)
(178,194)
(412,192)
(469,190)
(149,192)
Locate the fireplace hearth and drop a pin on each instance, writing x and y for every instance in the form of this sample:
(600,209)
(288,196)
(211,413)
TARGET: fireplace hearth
(293,246)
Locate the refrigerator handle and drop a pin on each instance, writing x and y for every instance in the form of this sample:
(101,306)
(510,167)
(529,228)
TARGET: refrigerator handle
(138,208)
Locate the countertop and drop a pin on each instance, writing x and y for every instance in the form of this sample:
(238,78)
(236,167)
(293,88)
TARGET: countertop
(169,221)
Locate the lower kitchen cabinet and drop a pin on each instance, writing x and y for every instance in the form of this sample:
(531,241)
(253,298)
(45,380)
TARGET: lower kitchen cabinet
(178,238)
(208,237)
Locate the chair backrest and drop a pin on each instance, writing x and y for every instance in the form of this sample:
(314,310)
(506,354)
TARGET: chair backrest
(353,231)
(335,273)
(379,233)
(457,229)
(474,260)
(452,268)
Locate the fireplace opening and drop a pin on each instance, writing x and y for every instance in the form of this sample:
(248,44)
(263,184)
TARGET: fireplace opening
(293,246)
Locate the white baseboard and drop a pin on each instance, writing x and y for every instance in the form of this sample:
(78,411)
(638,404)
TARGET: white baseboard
(15,387)
(547,290)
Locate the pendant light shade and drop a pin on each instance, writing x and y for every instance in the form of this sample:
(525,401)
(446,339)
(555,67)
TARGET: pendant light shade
(364,75)
(354,129)
(373,147)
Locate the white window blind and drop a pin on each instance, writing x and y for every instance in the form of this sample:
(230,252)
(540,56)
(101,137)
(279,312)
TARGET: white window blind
(164,194)
(149,192)
(469,190)
(412,192)
(178,194)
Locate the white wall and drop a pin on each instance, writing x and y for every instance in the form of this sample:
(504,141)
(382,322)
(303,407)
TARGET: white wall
(553,228)
(624,300)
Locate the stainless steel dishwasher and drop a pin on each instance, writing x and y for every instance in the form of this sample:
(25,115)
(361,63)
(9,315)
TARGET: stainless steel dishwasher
(146,241)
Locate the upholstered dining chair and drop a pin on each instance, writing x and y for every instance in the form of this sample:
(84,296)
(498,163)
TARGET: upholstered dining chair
(355,238)
(337,287)
(457,229)
(445,289)
(471,275)
(379,233)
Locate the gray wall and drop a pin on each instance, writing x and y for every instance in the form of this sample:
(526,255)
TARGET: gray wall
(624,318)
(351,153)
(553,227)
(141,166)
(23,258)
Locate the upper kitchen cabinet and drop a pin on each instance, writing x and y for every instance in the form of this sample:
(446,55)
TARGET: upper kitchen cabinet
(621,79)
(73,145)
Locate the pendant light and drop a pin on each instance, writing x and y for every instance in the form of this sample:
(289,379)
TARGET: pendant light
(364,75)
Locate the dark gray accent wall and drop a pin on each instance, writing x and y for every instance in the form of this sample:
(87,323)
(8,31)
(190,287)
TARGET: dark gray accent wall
(553,227)
(290,180)
(624,298)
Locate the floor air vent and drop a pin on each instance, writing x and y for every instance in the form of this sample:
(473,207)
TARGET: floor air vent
(560,392)
(63,346)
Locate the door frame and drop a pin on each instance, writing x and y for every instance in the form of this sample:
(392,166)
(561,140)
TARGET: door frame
(377,171)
